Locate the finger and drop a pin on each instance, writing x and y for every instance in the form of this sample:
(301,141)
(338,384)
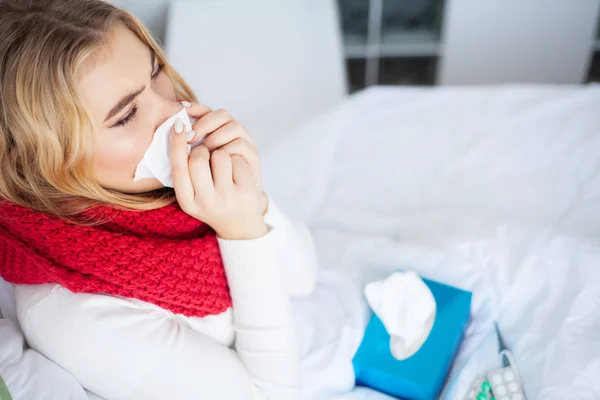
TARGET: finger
(242,176)
(199,165)
(222,173)
(196,110)
(247,151)
(209,123)
(225,134)
(184,190)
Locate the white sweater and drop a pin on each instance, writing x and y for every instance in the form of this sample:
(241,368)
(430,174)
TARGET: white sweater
(122,348)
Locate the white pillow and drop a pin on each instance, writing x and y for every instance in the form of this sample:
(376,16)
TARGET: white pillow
(28,374)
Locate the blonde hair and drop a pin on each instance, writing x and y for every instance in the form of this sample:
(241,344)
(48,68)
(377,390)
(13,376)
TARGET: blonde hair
(46,135)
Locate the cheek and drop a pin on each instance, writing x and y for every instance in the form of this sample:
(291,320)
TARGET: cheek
(121,155)
(116,158)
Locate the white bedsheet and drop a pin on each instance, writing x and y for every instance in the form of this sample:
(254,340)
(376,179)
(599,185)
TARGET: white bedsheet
(493,189)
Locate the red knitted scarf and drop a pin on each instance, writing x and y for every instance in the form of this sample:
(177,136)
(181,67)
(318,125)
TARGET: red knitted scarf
(161,256)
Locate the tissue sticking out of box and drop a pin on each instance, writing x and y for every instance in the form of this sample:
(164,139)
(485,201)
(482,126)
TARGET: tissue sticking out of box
(407,309)
(156,162)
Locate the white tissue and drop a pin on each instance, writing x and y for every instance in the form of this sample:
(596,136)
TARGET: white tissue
(156,162)
(407,309)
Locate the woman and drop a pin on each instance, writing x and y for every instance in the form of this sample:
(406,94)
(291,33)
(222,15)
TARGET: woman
(137,290)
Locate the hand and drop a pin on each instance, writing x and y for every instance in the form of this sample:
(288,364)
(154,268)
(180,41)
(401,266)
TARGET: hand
(220,131)
(216,188)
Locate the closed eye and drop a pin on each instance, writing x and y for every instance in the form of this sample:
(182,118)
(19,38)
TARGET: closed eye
(124,121)
(158,70)
(159,66)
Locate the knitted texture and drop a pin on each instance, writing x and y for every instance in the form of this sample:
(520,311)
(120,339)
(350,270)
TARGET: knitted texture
(162,256)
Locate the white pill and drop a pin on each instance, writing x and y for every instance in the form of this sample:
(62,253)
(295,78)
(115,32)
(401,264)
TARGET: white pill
(509,375)
(513,387)
(517,396)
(497,379)
(472,395)
(504,398)
(501,390)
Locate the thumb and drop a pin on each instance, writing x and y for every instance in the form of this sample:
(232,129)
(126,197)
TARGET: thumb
(179,149)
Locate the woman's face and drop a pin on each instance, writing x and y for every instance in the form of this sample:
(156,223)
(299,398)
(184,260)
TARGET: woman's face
(129,96)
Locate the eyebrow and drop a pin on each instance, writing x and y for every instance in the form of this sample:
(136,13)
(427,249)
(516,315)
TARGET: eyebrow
(123,103)
(131,96)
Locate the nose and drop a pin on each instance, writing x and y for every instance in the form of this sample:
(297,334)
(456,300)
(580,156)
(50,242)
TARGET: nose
(164,108)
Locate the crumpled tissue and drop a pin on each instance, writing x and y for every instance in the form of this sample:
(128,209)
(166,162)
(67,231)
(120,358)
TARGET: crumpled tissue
(407,309)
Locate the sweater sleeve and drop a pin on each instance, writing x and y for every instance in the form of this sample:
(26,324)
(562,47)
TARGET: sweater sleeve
(121,349)
(262,273)
(295,250)
(261,315)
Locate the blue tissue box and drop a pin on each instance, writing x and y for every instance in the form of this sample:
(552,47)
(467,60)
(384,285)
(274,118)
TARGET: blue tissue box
(421,376)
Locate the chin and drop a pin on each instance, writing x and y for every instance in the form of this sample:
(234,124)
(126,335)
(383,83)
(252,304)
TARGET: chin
(147,185)
(142,186)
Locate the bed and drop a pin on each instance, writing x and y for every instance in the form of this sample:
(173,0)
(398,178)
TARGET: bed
(492,189)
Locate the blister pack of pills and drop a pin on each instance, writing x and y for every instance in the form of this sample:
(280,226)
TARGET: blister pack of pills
(499,384)
(505,384)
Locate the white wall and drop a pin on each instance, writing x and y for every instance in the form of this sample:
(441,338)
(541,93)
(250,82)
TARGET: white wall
(272,63)
(525,41)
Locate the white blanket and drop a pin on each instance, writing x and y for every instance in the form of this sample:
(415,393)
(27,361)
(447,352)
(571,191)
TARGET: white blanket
(495,190)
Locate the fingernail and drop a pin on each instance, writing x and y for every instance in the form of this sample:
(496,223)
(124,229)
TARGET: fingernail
(190,135)
(186,103)
(178,127)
